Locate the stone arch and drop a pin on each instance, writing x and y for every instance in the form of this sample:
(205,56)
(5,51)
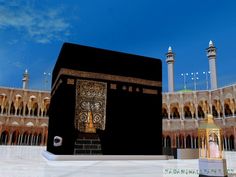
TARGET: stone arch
(39,139)
(20,109)
(177,141)
(174,111)
(5,109)
(14,138)
(18,104)
(31,105)
(30,137)
(26,110)
(164,113)
(188,141)
(25,138)
(35,109)
(214,111)
(216,106)
(187,112)
(228,111)
(3,103)
(12,108)
(46,110)
(34,138)
(201,114)
(197,142)
(45,106)
(231,142)
(4,138)
(168,141)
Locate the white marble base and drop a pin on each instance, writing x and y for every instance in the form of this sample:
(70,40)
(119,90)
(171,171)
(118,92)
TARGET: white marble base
(209,167)
(51,156)
(27,161)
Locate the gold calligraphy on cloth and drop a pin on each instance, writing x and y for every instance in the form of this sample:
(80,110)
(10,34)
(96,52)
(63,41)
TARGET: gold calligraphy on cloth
(90,111)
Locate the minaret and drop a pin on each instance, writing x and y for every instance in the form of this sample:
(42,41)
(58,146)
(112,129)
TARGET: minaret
(170,62)
(25,80)
(211,54)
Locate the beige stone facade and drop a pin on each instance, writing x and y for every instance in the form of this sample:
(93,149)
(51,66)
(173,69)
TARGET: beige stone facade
(23,116)
(182,112)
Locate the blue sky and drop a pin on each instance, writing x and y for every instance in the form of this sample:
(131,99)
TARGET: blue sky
(33,31)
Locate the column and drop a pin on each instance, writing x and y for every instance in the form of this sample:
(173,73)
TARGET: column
(225,140)
(170,65)
(191,142)
(211,54)
(184,142)
(228,142)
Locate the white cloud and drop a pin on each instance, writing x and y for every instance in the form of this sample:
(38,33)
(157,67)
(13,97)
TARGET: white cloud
(41,26)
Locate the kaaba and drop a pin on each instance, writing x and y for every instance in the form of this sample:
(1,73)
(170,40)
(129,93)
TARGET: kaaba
(105,102)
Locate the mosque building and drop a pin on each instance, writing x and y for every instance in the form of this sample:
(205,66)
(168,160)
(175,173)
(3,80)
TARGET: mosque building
(23,115)
(24,112)
(183,111)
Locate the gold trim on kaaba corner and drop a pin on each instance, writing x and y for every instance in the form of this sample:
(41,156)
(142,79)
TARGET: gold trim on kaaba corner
(70,81)
(93,75)
(113,86)
(150,91)
(56,87)
(90,106)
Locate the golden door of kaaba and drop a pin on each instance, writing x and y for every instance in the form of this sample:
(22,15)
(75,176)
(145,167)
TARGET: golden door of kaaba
(105,102)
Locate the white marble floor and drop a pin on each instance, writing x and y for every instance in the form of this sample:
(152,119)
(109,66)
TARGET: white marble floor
(27,161)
